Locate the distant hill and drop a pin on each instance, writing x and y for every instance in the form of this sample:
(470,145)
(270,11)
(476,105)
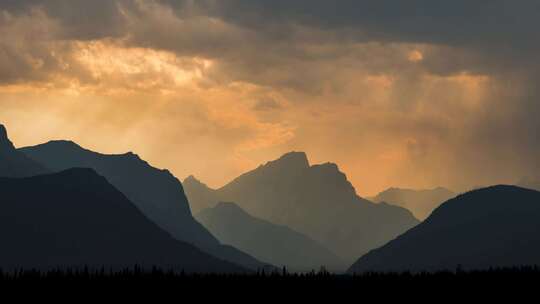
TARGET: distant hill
(317,201)
(530,183)
(279,245)
(420,202)
(157,193)
(76,218)
(492,227)
(14,163)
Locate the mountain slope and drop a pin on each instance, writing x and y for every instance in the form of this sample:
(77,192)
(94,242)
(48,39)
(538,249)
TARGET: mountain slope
(279,245)
(157,193)
(14,163)
(491,227)
(200,193)
(420,202)
(530,183)
(317,201)
(75,218)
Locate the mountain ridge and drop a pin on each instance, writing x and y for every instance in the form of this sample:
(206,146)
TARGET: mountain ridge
(75,218)
(490,227)
(420,202)
(156,192)
(13,163)
(316,200)
(279,245)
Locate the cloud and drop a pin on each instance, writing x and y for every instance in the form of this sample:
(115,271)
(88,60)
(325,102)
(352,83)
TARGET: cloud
(25,51)
(268,104)
(455,23)
(80,20)
(267,41)
(439,93)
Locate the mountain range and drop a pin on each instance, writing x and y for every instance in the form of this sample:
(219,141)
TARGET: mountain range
(75,219)
(317,201)
(420,202)
(156,193)
(278,245)
(492,227)
(63,206)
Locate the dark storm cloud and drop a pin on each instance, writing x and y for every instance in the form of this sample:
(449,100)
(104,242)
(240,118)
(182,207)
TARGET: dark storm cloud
(505,31)
(482,23)
(36,35)
(484,35)
(459,22)
(80,19)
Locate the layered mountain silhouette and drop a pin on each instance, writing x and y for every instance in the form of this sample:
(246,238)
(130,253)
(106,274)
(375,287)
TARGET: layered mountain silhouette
(14,163)
(278,245)
(420,202)
(317,201)
(76,218)
(201,197)
(491,227)
(157,193)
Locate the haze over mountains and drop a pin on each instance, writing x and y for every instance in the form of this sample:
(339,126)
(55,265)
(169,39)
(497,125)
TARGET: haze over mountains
(157,193)
(491,227)
(317,201)
(420,202)
(278,245)
(75,218)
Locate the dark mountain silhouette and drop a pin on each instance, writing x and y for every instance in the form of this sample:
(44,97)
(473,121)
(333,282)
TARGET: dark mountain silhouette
(420,202)
(530,183)
(317,201)
(492,227)
(75,218)
(279,245)
(14,163)
(157,193)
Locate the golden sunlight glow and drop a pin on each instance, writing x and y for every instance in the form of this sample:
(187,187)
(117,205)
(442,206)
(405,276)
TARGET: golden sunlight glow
(365,106)
(141,68)
(415,56)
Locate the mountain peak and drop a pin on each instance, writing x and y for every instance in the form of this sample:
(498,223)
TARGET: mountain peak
(295,157)
(3,132)
(192,179)
(328,169)
(290,161)
(64,143)
(4,139)
(329,166)
(131,154)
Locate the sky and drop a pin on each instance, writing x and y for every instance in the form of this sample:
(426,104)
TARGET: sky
(415,93)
